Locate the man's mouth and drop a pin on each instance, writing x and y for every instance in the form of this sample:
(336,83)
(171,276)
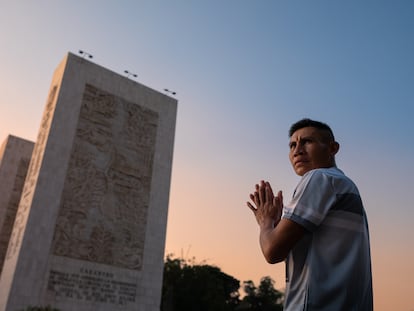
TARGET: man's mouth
(300,162)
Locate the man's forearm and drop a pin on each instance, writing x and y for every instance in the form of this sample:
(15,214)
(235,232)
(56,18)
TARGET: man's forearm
(270,245)
(276,242)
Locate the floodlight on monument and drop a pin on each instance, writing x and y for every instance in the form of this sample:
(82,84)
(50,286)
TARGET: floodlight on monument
(129,74)
(85,54)
(170,92)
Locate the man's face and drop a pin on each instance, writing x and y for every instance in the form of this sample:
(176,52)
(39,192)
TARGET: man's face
(311,148)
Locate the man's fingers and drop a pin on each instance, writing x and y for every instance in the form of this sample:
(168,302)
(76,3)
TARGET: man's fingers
(280,196)
(256,198)
(269,193)
(269,188)
(262,193)
(251,207)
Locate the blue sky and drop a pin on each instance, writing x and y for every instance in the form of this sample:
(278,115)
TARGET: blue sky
(243,72)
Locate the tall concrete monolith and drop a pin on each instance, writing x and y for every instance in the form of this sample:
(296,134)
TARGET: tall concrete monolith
(90,228)
(15,154)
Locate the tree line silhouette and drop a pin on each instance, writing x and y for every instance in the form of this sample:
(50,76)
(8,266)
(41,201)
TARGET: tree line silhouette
(188,286)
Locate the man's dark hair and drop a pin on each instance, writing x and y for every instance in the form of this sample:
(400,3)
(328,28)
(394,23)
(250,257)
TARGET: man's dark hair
(311,123)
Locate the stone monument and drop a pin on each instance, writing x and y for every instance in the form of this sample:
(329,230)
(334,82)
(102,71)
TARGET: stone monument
(89,232)
(15,154)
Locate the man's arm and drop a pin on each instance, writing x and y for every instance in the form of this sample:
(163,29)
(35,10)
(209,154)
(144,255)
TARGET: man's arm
(277,242)
(277,236)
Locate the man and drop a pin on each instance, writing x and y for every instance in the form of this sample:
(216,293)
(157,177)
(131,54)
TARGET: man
(322,234)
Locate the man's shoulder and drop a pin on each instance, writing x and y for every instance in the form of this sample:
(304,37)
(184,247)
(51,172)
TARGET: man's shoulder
(331,176)
(331,172)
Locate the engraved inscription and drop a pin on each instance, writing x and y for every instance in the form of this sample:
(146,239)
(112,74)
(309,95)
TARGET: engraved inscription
(92,286)
(103,212)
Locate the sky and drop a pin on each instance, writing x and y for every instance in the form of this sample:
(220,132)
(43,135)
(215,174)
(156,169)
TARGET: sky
(244,71)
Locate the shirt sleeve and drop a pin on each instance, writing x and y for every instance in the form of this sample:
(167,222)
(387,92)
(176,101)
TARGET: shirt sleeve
(313,198)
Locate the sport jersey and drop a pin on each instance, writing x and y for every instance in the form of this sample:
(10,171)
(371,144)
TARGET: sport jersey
(330,267)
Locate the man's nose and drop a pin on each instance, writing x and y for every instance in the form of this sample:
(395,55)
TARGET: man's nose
(298,150)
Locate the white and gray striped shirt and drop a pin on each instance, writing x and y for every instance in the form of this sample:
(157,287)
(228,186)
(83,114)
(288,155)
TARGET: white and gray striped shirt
(330,267)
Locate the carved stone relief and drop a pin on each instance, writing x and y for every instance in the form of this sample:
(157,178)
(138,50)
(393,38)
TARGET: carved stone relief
(12,205)
(103,212)
(32,173)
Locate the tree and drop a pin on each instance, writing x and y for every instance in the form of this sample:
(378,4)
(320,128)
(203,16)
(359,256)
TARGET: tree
(197,287)
(263,298)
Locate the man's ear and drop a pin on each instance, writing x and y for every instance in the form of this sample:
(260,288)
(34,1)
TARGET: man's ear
(334,148)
